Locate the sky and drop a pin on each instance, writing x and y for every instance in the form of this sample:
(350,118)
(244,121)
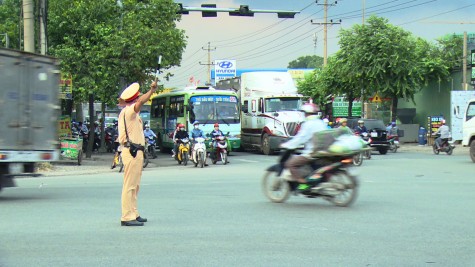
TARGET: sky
(265,41)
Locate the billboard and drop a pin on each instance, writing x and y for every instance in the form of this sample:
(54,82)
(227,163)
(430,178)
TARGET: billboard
(223,69)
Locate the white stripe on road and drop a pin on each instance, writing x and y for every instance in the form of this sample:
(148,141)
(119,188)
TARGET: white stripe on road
(247,160)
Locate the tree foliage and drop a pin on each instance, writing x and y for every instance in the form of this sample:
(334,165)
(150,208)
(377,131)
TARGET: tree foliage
(10,23)
(306,62)
(381,58)
(102,42)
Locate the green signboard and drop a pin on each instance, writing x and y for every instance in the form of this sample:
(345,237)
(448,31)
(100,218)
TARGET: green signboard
(340,108)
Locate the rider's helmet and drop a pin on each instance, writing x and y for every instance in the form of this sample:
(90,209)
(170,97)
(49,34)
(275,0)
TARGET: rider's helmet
(360,121)
(343,120)
(393,123)
(310,108)
(326,121)
(443,122)
(216,125)
(181,126)
(196,123)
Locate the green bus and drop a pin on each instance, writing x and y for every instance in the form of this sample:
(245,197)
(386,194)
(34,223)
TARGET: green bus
(204,104)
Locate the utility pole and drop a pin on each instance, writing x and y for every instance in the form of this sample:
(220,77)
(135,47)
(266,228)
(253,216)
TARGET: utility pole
(325,24)
(209,64)
(363,10)
(29,26)
(43,19)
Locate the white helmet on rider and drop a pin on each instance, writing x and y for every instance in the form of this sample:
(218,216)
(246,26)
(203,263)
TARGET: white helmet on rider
(310,108)
(443,121)
(360,121)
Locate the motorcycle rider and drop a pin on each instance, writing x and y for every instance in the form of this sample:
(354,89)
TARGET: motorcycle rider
(180,135)
(344,126)
(215,133)
(149,133)
(312,125)
(195,133)
(393,129)
(444,132)
(360,128)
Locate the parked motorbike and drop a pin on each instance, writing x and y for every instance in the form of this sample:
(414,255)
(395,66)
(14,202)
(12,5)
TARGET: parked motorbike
(219,153)
(199,152)
(183,151)
(445,146)
(111,136)
(150,147)
(393,143)
(336,185)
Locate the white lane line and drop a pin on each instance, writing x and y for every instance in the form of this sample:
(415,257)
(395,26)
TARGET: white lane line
(247,160)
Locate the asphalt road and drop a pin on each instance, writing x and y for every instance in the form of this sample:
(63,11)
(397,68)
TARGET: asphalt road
(414,209)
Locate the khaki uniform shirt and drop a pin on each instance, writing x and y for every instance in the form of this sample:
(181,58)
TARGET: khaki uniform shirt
(134,126)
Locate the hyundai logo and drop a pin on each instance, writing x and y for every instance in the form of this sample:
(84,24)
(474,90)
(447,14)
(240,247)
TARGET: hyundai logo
(225,64)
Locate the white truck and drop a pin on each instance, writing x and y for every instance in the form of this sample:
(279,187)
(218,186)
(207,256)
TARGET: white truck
(269,109)
(29,110)
(469,128)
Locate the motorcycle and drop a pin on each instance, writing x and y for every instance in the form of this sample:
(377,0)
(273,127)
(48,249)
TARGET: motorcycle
(445,146)
(110,138)
(393,143)
(150,147)
(183,151)
(336,185)
(219,153)
(199,152)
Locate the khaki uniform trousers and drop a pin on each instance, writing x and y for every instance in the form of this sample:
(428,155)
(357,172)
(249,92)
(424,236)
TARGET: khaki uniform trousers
(132,176)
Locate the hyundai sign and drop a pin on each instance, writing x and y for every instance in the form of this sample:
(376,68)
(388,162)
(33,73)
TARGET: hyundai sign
(224,69)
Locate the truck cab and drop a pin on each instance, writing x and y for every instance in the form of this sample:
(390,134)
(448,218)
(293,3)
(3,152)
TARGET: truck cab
(270,107)
(469,128)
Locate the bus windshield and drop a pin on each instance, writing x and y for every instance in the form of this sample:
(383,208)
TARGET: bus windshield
(282,103)
(214,108)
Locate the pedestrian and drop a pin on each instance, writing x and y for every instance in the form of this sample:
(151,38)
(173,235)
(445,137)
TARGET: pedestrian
(132,139)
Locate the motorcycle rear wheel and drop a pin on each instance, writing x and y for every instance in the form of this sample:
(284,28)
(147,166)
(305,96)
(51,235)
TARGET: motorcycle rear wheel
(434,148)
(347,195)
(275,188)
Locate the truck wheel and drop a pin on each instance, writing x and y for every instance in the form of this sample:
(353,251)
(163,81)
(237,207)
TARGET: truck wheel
(472,150)
(383,150)
(265,145)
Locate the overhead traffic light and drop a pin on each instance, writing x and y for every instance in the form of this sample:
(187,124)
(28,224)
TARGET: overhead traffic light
(242,11)
(210,10)
(209,14)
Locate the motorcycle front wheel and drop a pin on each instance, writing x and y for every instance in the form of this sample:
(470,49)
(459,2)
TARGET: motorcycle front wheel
(450,150)
(347,186)
(201,159)
(393,148)
(224,157)
(275,188)
(145,160)
(358,159)
(185,158)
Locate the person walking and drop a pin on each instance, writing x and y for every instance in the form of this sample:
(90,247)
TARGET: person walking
(132,139)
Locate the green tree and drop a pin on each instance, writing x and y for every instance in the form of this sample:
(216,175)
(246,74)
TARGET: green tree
(10,23)
(106,45)
(306,62)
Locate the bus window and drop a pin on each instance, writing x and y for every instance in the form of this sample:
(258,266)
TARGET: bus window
(177,106)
